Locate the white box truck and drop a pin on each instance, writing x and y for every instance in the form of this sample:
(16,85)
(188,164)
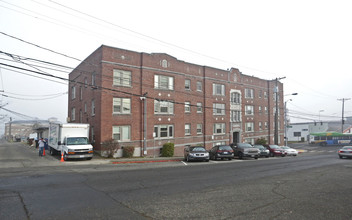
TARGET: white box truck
(70,139)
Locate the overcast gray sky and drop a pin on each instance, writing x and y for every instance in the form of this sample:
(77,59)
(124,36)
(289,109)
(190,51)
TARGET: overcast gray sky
(306,41)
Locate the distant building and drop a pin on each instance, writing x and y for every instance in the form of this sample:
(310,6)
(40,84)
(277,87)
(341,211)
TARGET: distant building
(21,129)
(145,100)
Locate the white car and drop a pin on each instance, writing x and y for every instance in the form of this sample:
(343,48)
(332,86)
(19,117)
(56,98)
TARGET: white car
(290,151)
(346,151)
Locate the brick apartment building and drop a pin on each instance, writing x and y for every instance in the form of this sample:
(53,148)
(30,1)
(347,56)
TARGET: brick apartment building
(145,100)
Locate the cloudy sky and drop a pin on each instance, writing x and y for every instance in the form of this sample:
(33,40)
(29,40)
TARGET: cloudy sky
(306,41)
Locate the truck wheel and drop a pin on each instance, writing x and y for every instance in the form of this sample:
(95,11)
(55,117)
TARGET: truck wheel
(51,151)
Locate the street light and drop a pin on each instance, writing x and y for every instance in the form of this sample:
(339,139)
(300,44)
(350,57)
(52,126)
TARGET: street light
(319,113)
(285,117)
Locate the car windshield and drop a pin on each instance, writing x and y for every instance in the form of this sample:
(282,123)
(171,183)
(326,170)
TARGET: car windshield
(347,148)
(258,146)
(225,148)
(77,141)
(244,145)
(197,149)
(285,147)
(274,147)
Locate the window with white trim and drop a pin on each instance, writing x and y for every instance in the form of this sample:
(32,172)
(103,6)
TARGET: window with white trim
(199,128)
(199,86)
(249,126)
(163,107)
(235,98)
(73,114)
(164,131)
(249,93)
(235,116)
(122,78)
(93,107)
(219,128)
(187,129)
(218,109)
(187,84)
(218,89)
(187,107)
(121,133)
(73,92)
(199,107)
(163,82)
(249,109)
(121,106)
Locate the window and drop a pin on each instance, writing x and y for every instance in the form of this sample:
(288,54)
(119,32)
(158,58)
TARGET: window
(121,105)
(85,107)
(187,107)
(199,129)
(73,92)
(122,78)
(260,93)
(187,129)
(297,134)
(266,110)
(265,95)
(218,89)
(250,126)
(73,114)
(249,110)
(81,93)
(93,107)
(218,109)
(80,116)
(187,84)
(121,133)
(266,125)
(260,125)
(235,98)
(163,107)
(164,131)
(249,93)
(93,79)
(260,109)
(235,116)
(219,128)
(199,86)
(85,82)
(163,82)
(199,107)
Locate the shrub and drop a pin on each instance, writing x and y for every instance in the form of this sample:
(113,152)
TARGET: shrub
(128,151)
(168,150)
(110,147)
(260,141)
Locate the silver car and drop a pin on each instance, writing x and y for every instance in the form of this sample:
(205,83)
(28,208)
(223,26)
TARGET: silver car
(346,151)
(192,153)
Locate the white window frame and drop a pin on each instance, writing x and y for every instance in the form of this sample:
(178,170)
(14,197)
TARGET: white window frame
(219,128)
(249,93)
(169,129)
(219,108)
(160,80)
(124,105)
(249,110)
(199,128)
(93,107)
(187,107)
(122,78)
(199,107)
(235,116)
(235,98)
(73,114)
(160,106)
(218,89)
(121,131)
(249,126)
(187,84)
(199,86)
(73,92)
(187,129)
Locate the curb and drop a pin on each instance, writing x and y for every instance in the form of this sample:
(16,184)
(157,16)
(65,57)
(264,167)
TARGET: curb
(146,161)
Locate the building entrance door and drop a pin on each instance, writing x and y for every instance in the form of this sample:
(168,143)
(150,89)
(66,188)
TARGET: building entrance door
(236,137)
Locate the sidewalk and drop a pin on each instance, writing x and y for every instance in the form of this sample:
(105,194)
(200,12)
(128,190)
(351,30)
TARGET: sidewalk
(145,160)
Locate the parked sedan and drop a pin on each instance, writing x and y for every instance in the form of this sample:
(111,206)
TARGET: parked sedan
(346,151)
(275,150)
(221,151)
(290,151)
(263,152)
(192,153)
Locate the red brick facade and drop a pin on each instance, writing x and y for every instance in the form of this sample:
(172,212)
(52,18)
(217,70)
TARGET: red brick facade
(185,86)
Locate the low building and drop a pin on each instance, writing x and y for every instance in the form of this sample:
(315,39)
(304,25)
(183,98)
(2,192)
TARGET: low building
(145,100)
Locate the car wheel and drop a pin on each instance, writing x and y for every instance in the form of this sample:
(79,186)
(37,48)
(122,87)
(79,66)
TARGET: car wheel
(240,156)
(206,160)
(271,154)
(187,159)
(266,156)
(89,158)
(230,158)
(256,158)
(341,157)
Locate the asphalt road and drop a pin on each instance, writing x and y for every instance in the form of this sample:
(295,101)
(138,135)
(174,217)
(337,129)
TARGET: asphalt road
(313,185)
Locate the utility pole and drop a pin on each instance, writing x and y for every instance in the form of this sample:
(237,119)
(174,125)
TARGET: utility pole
(343,111)
(276,90)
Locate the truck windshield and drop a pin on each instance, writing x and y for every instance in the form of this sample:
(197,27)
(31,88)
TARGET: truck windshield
(77,141)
